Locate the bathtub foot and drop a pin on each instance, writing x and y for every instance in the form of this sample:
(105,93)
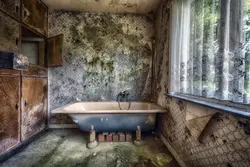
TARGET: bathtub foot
(137,141)
(92,145)
(92,139)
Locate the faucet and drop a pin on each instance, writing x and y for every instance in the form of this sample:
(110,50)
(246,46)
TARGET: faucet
(123,94)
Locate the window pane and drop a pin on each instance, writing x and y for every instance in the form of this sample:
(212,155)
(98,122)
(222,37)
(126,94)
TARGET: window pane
(211,49)
(246,51)
(204,24)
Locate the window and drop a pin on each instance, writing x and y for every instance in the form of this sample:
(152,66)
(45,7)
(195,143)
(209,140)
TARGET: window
(210,53)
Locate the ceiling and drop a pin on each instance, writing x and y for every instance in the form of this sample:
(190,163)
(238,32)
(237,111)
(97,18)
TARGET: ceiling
(110,6)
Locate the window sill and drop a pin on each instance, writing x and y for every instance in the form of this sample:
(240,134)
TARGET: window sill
(237,109)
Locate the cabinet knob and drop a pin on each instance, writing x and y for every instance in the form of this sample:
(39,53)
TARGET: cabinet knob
(17,41)
(17,10)
(17,106)
(25,103)
(25,14)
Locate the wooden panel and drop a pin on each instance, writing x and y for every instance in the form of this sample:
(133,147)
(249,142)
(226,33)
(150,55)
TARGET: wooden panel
(35,71)
(35,15)
(9,34)
(55,45)
(34,106)
(9,113)
(9,72)
(11,7)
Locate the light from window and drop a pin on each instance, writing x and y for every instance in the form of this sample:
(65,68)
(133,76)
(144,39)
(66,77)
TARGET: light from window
(210,50)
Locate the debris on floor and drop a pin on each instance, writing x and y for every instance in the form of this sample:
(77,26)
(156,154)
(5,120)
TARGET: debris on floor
(68,148)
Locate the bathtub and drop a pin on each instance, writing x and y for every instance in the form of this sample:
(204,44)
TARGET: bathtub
(107,116)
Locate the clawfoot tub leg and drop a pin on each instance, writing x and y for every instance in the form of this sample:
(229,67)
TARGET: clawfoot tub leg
(137,141)
(92,139)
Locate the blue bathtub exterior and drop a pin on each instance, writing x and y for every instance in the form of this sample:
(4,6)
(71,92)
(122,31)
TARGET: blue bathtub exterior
(115,122)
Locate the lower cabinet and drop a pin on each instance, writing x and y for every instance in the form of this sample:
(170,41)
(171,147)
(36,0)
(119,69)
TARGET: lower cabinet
(34,106)
(9,112)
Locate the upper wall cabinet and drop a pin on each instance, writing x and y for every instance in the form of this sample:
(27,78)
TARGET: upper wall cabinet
(35,15)
(12,7)
(9,34)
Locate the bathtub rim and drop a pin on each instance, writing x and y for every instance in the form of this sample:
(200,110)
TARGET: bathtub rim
(61,110)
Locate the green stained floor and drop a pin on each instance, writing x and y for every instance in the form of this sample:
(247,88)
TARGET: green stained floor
(67,148)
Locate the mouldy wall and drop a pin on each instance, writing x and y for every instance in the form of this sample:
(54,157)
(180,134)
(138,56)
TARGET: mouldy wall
(225,140)
(103,54)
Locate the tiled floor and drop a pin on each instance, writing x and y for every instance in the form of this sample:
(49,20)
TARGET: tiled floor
(67,148)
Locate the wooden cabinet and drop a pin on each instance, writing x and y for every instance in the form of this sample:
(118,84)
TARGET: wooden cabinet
(54,51)
(35,15)
(11,7)
(9,112)
(23,95)
(34,106)
(9,34)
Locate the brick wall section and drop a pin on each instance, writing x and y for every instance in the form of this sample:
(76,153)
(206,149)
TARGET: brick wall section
(225,142)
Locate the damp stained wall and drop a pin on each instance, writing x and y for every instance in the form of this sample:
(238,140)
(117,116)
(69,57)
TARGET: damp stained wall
(225,142)
(108,6)
(103,54)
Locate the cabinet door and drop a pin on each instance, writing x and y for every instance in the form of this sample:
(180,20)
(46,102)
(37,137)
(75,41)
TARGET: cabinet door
(9,113)
(34,106)
(35,15)
(9,34)
(12,7)
(54,51)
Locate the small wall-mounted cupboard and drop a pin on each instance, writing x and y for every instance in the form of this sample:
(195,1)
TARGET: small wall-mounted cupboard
(35,15)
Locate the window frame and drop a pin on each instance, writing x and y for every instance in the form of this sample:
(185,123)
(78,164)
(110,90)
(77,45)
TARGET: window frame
(240,109)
